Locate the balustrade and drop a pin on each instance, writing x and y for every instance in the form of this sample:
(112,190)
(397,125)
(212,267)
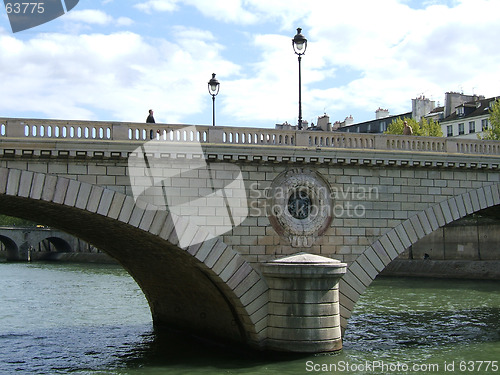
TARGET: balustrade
(121,131)
(258,136)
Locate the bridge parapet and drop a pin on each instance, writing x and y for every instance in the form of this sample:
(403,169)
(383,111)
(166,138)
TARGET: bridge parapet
(44,129)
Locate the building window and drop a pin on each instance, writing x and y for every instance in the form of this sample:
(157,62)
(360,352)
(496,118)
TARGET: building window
(461,129)
(484,124)
(472,126)
(460,111)
(449,131)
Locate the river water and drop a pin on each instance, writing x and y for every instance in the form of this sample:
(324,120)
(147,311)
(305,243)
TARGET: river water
(93,319)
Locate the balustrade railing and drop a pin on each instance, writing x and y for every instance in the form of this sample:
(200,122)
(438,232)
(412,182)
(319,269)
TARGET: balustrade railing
(121,131)
(413,143)
(55,129)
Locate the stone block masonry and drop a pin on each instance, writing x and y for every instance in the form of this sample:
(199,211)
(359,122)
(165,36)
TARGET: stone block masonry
(356,199)
(303,306)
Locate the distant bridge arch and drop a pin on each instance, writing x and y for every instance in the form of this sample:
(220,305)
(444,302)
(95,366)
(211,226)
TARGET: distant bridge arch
(11,247)
(60,244)
(18,241)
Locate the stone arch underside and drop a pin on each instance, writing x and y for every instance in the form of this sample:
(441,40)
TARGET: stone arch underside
(60,244)
(17,244)
(10,246)
(365,268)
(205,288)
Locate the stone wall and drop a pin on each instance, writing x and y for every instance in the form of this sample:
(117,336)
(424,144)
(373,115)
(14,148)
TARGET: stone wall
(463,240)
(371,192)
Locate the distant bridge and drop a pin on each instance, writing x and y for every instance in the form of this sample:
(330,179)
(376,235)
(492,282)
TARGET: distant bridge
(22,243)
(359,198)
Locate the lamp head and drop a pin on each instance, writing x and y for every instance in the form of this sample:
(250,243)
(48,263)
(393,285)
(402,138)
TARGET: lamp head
(299,43)
(213,85)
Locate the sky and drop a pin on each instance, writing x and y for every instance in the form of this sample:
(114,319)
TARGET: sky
(113,60)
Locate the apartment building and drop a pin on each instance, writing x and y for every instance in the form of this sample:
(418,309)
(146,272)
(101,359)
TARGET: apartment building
(468,119)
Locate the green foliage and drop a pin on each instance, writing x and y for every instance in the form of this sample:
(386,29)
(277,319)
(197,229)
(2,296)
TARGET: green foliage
(397,126)
(9,221)
(431,128)
(428,128)
(493,132)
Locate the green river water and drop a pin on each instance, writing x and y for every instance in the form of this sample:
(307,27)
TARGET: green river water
(93,319)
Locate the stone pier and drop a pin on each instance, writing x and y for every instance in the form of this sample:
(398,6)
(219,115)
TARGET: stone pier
(304,303)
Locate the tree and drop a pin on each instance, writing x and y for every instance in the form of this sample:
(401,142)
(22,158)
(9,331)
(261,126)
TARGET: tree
(493,131)
(397,126)
(9,221)
(431,128)
(428,128)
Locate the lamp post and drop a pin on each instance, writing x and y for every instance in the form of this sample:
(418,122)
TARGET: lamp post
(213,89)
(299,43)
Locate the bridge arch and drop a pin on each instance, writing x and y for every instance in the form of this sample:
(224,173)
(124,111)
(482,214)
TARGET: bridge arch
(60,244)
(11,247)
(20,241)
(204,287)
(365,268)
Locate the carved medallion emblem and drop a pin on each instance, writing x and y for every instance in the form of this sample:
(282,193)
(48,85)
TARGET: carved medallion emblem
(300,206)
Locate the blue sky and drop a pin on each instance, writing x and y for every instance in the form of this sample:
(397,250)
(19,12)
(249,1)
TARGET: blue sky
(115,59)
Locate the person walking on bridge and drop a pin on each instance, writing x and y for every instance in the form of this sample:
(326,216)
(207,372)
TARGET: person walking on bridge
(407,130)
(151,120)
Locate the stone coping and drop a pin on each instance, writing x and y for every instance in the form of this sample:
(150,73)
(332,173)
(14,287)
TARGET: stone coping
(306,259)
(98,131)
(304,265)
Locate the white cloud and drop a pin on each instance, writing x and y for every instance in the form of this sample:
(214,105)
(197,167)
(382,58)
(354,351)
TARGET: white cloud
(68,76)
(243,12)
(268,91)
(89,16)
(97,17)
(401,52)
(231,11)
(158,5)
(124,21)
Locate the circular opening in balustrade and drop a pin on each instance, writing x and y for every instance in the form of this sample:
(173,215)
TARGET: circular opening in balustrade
(299,204)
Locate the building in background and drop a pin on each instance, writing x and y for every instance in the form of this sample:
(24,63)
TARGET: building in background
(468,119)
(421,107)
(462,115)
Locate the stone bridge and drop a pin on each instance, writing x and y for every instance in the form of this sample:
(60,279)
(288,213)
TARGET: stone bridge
(21,243)
(204,217)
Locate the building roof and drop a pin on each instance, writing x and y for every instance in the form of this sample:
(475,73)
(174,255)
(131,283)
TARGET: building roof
(364,127)
(437,110)
(471,109)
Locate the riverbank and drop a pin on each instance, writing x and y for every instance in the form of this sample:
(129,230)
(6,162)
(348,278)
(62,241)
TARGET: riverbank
(449,269)
(98,258)
(446,269)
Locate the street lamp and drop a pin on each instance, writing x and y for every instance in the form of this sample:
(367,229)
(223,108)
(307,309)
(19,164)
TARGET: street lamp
(299,43)
(213,89)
